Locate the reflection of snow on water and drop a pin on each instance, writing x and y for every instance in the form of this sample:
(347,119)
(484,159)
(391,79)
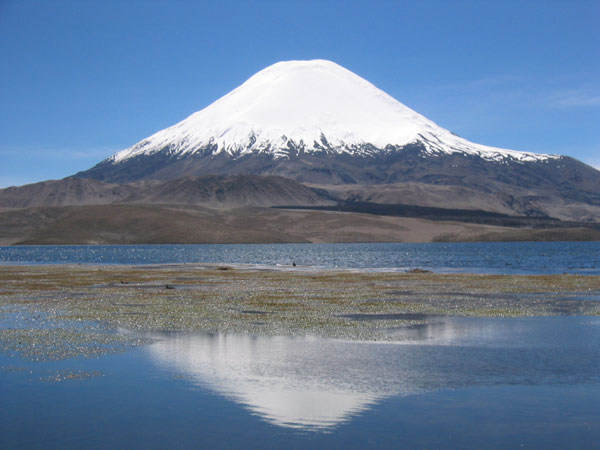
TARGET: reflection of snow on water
(313,383)
(285,380)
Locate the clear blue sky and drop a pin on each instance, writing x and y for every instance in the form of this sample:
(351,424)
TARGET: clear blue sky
(82,79)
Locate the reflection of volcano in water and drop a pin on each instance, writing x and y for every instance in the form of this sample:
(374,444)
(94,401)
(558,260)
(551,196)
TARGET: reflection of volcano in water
(291,382)
(316,383)
(303,382)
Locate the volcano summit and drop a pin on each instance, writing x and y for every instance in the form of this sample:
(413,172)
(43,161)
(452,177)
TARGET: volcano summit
(311,106)
(289,110)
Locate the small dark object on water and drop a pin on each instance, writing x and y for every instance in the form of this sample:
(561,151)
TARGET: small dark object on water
(417,270)
(124,282)
(294,263)
(168,286)
(224,268)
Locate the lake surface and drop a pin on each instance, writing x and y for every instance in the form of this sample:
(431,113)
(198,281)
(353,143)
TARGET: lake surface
(453,383)
(508,258)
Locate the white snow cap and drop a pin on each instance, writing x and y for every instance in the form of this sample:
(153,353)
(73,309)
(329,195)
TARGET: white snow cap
(304,101)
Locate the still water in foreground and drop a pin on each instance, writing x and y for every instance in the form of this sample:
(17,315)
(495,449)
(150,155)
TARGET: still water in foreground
(452,383)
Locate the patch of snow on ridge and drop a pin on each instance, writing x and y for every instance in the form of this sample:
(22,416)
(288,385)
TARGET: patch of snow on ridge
(304,101)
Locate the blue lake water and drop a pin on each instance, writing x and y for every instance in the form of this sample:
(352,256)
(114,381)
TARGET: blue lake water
(455,383)
(510,258)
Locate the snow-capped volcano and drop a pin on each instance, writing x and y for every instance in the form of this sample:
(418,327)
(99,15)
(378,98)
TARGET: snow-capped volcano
(317,123)
(309,106)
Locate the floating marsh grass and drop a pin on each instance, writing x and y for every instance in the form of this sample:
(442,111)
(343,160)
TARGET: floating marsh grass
(204,298)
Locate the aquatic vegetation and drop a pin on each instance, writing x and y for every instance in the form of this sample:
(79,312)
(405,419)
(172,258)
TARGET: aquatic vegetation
(68,374)
(206,298)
